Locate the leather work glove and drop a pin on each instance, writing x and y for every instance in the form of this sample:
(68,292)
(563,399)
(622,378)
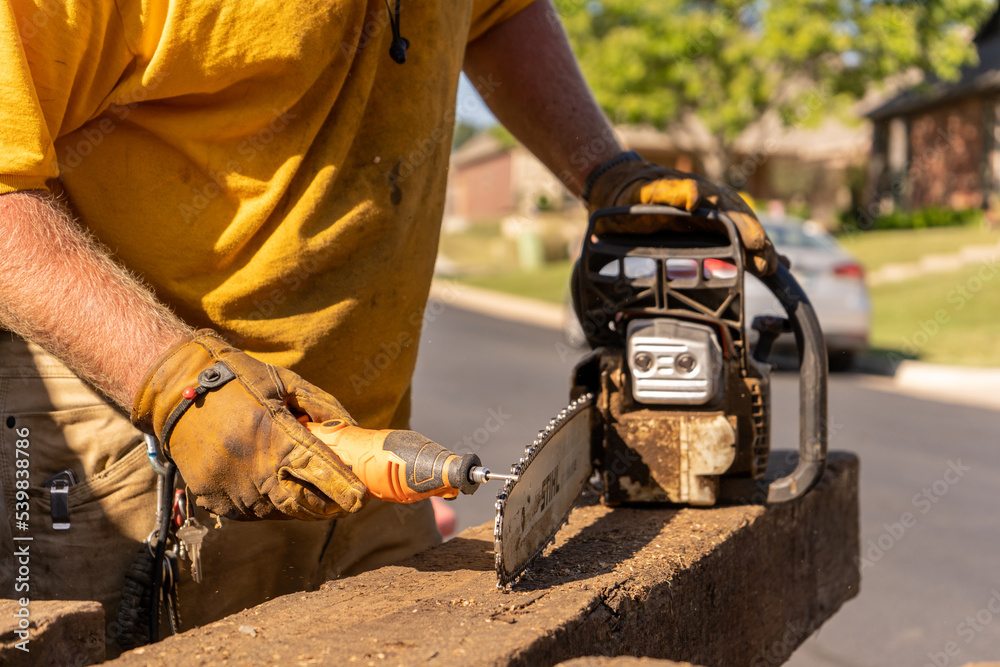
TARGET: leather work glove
(634,181)
(228,421)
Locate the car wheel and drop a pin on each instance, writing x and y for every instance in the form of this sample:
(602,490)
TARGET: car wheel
(840,360)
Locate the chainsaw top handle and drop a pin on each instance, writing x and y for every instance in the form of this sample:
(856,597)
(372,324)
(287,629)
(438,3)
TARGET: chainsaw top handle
(801,316)
(671,239)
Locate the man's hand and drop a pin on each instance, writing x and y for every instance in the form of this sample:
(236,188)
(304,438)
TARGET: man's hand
(637,182)
(237,441)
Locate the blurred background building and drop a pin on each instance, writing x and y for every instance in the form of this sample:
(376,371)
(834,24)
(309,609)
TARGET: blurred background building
(817,168)
(938,143)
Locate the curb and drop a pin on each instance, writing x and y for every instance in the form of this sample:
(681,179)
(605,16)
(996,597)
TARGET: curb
(929,264)
(954,384)
(497,304)
(946,378)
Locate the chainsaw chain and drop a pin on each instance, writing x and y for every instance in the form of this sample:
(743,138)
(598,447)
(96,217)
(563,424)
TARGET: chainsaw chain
(504,580)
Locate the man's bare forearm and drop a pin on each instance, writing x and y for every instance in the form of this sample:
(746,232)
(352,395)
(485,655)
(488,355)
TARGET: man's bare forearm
(59,289)
(542,97)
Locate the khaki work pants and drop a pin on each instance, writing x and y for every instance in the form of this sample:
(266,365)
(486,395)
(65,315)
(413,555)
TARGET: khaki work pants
(51,421)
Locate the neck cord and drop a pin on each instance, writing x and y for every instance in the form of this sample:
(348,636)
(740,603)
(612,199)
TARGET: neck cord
(397,50)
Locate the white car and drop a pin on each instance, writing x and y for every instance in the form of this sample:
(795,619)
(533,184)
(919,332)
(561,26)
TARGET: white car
(830,276)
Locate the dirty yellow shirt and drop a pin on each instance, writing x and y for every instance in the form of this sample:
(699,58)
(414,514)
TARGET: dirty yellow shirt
(263,164)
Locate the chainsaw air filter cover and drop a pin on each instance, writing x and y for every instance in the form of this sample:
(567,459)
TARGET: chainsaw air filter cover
(674,362)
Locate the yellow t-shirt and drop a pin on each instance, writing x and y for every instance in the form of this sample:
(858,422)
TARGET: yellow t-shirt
(263,164)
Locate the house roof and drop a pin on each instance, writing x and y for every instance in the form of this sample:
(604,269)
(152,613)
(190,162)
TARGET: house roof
(831,139)
(981,78)
(989,29)
(479,148)
(687,135)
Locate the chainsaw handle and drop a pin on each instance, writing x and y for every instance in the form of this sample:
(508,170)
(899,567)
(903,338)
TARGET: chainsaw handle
(812,388)
(650,209)
(591,240)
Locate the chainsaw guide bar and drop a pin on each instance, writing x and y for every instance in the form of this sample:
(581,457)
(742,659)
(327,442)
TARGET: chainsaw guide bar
(550,476)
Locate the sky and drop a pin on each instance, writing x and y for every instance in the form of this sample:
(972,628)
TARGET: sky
(470,106)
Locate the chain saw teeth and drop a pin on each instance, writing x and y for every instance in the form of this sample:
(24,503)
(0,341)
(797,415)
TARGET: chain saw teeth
(504,580)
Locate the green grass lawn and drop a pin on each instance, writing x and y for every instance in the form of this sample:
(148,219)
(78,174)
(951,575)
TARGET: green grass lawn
(932,317)
(550,283)
(481,249)
(477,252)
(878,248)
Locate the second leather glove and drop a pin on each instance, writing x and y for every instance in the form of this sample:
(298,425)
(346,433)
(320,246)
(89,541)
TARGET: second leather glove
(636,182)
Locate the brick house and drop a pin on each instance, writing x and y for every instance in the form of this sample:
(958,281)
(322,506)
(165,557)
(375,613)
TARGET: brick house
(488,180)
(938,144)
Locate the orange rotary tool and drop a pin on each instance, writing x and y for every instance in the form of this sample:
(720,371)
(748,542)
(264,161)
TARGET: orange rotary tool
(402,466)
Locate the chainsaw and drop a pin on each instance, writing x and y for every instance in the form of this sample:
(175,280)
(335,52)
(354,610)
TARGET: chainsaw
(671,405)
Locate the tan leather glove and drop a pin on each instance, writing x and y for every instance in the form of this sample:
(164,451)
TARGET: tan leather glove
(238,444)
(637,182)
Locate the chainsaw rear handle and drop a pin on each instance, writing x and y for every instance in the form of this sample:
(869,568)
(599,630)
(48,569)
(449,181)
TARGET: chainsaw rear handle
(812,388)
(808,340)
(398,466)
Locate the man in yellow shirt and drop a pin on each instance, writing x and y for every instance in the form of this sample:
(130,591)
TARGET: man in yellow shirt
(274,171)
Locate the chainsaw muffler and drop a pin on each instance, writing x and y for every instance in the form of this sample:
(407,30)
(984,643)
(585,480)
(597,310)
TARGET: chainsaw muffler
(683,405)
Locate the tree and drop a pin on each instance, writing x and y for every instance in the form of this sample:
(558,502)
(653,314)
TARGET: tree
(730,62)
(463,132)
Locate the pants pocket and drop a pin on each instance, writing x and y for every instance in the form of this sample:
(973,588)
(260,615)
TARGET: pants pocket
(109,517)
(111,510)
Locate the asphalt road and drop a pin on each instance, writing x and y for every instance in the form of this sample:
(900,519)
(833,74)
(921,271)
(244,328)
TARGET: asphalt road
(930,497)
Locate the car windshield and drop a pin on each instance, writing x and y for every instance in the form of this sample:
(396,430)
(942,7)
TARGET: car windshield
(794,236)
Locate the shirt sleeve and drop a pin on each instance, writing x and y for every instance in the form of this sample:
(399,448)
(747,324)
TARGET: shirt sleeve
(27,153)
(488,13)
